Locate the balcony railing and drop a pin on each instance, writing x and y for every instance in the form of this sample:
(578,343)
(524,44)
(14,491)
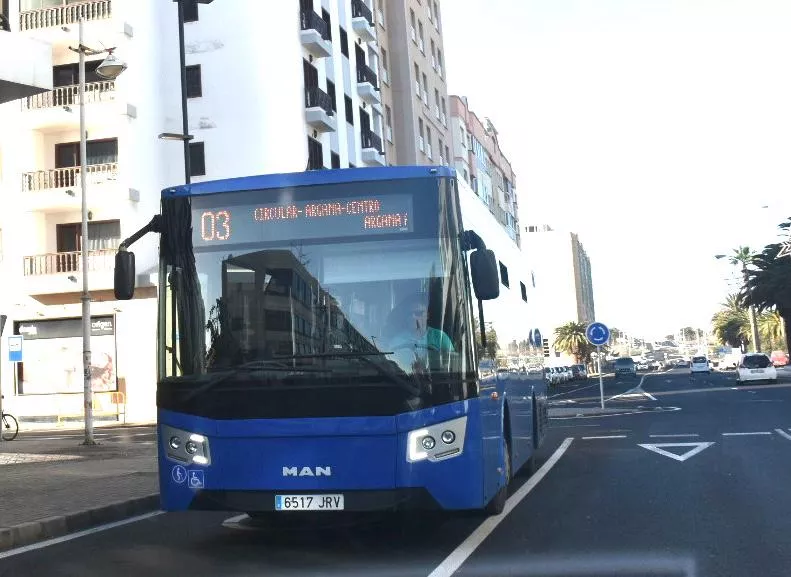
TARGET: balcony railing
(371,140)
(64,262)
(316,97)
(101,91)
(64,14)
(312,21)
(359,9)
(67,177)
(365,74)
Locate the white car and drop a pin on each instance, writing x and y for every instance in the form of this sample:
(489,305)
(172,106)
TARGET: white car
(756,367)
(699,365)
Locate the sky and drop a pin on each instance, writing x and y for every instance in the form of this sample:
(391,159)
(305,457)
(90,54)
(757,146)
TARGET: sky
(656,129)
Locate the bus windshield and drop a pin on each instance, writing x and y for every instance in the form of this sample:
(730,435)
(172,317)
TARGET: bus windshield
(380,312)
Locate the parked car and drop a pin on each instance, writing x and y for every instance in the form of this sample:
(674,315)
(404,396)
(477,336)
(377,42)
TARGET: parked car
(699,365)
(552,375)
(625,365)
(779,358)
(756,367)
(579,372)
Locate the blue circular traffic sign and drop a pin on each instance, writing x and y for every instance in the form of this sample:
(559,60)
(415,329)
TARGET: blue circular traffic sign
(598,334)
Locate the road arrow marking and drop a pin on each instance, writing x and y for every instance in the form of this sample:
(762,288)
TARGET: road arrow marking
(697,448)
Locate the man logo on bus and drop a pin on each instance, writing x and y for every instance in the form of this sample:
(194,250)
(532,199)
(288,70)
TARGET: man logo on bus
(307,471)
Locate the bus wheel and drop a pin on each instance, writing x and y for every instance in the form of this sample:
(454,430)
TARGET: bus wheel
(497,504)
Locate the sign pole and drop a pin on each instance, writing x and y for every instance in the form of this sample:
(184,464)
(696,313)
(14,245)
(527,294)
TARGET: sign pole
(598,334)
(601,378)
(3,319)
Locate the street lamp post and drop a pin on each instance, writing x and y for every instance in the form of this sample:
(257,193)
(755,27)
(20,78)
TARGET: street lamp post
(110,69)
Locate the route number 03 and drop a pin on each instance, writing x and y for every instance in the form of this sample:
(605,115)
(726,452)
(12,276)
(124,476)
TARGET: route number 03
(215,225)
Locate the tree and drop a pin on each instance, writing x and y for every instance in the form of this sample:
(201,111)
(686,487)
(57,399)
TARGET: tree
(570,338)
(767,284)
(772,329)
(689,333)
(731,324)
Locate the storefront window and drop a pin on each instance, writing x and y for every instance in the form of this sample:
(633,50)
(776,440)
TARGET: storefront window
(52,356)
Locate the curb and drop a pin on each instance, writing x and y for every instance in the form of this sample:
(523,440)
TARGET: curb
(50,527)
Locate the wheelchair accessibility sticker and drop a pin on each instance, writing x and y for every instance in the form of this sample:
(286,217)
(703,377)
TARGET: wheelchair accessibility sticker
(195,480)
(178,474)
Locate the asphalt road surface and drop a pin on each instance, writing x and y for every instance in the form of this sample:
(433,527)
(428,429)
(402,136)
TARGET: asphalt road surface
(698,488)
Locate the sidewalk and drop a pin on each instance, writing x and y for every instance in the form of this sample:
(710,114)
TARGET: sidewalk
(52,486)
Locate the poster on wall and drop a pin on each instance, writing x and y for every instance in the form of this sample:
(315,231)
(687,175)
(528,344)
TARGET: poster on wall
(53,356)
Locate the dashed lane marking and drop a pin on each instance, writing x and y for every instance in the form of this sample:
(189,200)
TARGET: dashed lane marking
(605,437)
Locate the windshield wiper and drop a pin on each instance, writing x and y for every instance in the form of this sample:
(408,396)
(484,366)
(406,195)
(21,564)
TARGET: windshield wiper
(405,384)
(265,365)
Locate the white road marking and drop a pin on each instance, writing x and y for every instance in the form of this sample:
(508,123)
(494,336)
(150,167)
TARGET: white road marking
(635,392)
(606,437)
(675,435)
(459,555)
(77,535)
(782,433)
(745,434)
(657,448)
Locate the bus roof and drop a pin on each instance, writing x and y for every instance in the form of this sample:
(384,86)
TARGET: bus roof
(308,178)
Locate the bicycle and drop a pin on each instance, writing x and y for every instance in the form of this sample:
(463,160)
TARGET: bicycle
(10,426)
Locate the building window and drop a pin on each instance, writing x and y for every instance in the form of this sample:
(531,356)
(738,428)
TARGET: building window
(504,275)
(194,86)
(344,43)
(326,17)
(421,44)
(428,141)
(417,80)
(197,159)
(524,291)
(67,154)
(331,93)
(190,11)
(439,61)
(383,64)
(447,154)
(466,176)
(315,154)
(349,109)
(388,124)
(436,16)
(412,23)
(425,89)
(335,160)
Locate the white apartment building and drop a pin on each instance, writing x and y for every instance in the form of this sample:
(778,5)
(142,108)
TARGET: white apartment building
(275,86)
(565,282)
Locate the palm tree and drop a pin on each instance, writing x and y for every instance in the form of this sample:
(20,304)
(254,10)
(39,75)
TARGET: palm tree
(772,329)
(570,338)
(731,323)
(767,284)
(742,257)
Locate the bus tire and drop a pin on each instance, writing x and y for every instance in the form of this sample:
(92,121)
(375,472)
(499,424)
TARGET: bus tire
(497,504)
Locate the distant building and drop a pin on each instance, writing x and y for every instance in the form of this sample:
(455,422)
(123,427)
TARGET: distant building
(565,282)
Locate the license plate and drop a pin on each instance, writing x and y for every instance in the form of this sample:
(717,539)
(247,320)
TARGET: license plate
(756,370)
(309,502)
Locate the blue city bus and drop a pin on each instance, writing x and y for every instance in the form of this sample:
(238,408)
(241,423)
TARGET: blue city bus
(322,346)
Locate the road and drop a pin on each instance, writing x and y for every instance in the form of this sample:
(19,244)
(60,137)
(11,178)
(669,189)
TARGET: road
(611,498)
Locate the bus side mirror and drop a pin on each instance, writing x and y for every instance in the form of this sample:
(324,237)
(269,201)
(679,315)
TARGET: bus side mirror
(485,277)
(124,278)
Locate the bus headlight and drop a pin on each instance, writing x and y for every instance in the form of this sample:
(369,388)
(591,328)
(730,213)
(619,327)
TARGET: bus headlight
(194,451)
(422,444)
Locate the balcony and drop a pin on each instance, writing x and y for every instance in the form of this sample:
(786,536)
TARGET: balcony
(318,110)
(372,148)
(367,86)
(58,189)
(315,34)
(61,272)
(363,21)
(65,14)
(28,74)
(58,110)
